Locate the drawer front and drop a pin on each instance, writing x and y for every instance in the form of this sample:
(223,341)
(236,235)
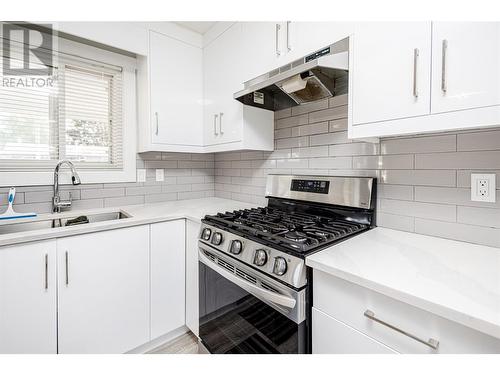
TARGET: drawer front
(329,336)
(348,302)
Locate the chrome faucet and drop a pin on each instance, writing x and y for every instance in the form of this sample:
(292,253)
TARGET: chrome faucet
(57,204)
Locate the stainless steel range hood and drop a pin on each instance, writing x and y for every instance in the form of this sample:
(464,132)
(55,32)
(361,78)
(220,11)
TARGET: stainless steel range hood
(317,76)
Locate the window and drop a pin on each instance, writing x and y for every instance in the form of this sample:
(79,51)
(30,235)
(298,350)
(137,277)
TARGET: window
(76,113)
(90,116)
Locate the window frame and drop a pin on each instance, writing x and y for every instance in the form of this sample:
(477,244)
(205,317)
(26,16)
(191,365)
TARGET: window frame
(21,174)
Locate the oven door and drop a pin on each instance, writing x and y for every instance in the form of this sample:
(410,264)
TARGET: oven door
(244,311)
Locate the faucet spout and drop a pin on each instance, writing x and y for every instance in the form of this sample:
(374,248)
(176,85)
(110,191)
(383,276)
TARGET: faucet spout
(57,204)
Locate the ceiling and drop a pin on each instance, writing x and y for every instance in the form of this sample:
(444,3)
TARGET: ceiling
(200,27)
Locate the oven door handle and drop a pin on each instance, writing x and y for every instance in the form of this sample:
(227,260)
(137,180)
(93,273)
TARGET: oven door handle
(263,294)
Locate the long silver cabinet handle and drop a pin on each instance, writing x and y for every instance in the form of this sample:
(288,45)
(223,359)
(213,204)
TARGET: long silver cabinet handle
(278,51)
(431,343)
(220,122)
(215,124)
(46,271)
(157,125)
(66,261)
(288,44)
(416,54)
(444,51)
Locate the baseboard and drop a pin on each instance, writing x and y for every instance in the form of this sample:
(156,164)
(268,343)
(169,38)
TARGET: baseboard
(144,348)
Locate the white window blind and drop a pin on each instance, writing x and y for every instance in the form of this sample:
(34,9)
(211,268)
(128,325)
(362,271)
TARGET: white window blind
(78,117)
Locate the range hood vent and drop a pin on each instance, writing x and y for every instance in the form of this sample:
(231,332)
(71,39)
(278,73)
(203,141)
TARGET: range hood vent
(317,76)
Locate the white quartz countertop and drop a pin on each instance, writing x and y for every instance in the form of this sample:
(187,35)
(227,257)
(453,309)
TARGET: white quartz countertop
(191,209)
(456,280)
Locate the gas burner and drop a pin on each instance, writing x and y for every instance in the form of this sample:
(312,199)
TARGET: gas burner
(319,234)
(296,236)
(295,231)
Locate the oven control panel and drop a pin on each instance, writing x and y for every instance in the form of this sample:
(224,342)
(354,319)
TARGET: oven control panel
(310,186)
(275,263)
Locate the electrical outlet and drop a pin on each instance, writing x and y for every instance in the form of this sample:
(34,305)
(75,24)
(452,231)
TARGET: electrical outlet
(141,175)
(483,187)
(160,175)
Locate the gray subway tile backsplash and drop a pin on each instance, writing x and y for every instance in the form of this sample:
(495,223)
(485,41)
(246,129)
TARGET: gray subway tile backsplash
(423,180)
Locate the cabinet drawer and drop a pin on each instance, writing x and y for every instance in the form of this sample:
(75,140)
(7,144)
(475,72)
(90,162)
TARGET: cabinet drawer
(347,302)
(329,336)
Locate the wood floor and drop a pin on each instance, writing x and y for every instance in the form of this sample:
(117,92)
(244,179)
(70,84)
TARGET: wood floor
(184,344)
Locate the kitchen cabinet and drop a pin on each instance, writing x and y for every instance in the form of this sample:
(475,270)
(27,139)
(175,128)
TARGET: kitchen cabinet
(265,47)
(170,92)
(103,291)
(28,317)
(269,45)
(405,79)
(223,77)
(390,71)
(192,296)
(465,65)
(384,319)
(332,336)
(228,125)
(168,263)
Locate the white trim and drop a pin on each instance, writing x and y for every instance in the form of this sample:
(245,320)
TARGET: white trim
(437,122)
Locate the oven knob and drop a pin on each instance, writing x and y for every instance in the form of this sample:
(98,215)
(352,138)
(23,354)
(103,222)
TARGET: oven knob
(279,266)
(205,235)
(236,247)
(260,257)
(217,238)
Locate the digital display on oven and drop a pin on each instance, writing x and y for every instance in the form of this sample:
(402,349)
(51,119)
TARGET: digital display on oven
(310,186)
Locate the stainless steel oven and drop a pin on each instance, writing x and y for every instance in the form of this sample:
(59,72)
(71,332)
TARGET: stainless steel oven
(244,311)
(255,288)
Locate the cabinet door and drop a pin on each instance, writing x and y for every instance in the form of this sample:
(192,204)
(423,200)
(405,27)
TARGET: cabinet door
(388,79)
(176,91)
(330,336)
(192,299)
(265,47)
(103,294)
(167,277)
(28,298)
(223,62)
(465,65)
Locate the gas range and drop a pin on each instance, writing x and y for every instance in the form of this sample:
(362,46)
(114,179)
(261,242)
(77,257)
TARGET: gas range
(304,214)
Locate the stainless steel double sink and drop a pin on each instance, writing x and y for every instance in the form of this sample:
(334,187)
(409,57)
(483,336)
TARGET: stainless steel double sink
(25,226)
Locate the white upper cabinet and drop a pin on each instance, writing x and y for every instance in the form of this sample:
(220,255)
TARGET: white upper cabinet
(228,124)
(466,65)
(170,89)
(389,71)
(397,86)
(28,317)
(103,291)
(263,46)
(269,45)
(223,77)
(176,91)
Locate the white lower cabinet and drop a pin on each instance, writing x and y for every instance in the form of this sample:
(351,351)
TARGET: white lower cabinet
(105,292)
(426,332)
(28,318)
(332,336)
(168,293)
(103,299)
